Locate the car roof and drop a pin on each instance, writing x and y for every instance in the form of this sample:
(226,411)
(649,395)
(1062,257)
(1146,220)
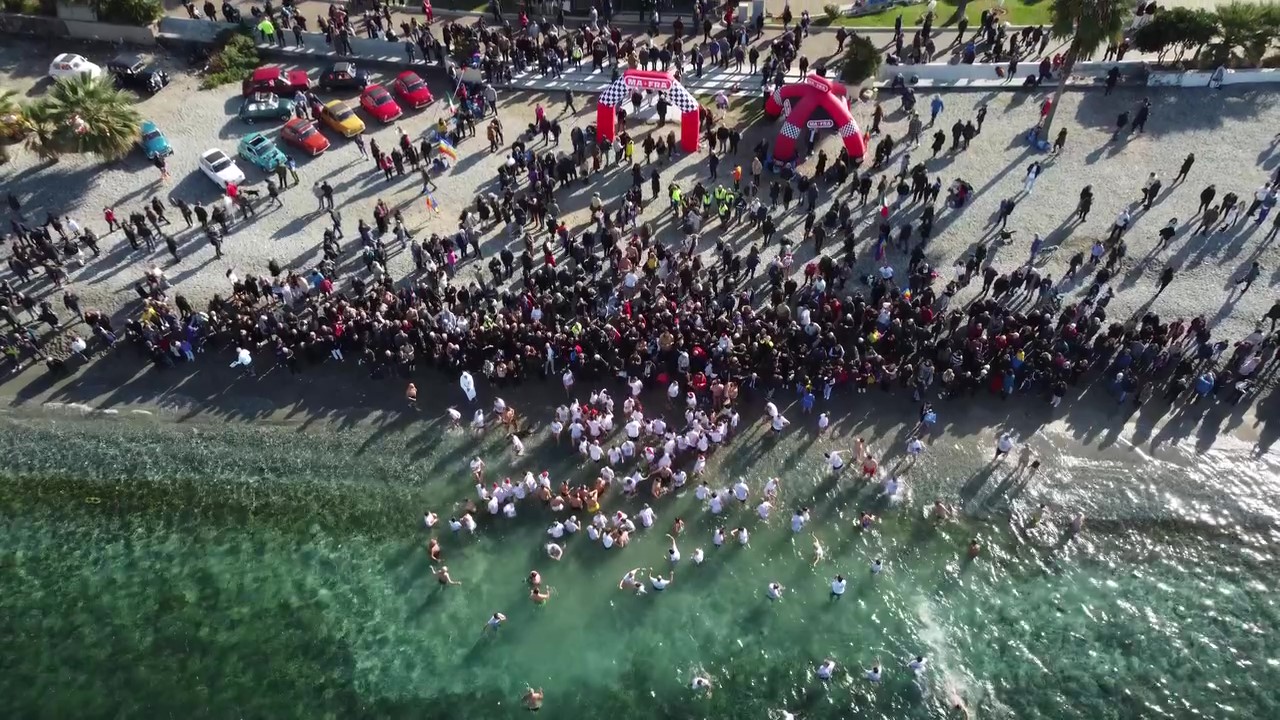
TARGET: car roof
(149,125)
(257,139)
(408,75)
(346,67)
(66,57)
(298,123)
(212,153)
(127,59)
(270,72)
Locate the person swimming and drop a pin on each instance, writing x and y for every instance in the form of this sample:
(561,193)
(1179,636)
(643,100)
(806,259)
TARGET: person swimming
(673,553)
(826,670)
(838,585)
(819,552)
(918,665)
(495,621)
(698,556)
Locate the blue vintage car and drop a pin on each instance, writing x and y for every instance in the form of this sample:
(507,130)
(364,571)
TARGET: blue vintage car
(153,142)
(262,152)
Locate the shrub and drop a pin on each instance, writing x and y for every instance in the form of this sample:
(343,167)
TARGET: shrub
(235,58)
(832,11)
(1178,29)
(130,12)
(1247,26)
(27,7)
(861,61)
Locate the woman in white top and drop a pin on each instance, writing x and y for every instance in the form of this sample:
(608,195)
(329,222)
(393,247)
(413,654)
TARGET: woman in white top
(673,554)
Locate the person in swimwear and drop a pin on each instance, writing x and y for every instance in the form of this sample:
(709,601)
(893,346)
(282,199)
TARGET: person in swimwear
(442,575)
(539,596)
(533,699)
(433,549)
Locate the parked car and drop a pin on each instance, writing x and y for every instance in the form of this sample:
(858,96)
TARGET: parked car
(275,80)
(265,106)
(70,64)
(153,142)
(262,152)
(378,102)
(220,168)
(411,90)
(343,76)
(131,71)
(303,134)
(339,117)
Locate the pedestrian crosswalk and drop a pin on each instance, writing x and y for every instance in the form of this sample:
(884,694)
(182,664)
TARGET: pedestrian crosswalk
(733,83)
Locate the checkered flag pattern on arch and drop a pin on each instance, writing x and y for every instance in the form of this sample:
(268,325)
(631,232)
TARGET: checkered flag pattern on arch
(614,94)
(790,130)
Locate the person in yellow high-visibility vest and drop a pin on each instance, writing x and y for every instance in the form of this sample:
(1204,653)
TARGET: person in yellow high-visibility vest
(267,29)
(675,198)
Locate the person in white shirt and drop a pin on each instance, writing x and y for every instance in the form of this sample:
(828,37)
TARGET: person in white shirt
(698,556)
(509,510)
(1004,444)
(628,450)
(494,506)
(740,490)
(660,583)
(771,489)
(743,536)
(567,380)
(615,455)
(455,525)
(571,525)
(469,522)
(763,509)
(593,427)
(633,429)
(775,591)
(673,554)
(637,385)
(917,666)
(838,586)
(779,423)
(835,460)
(700,466)
(593,533)
(429,519)
(717,505)
(595,451)
(824,421)
(877,566)
(647,516)
(826,670)
(799,519)
(477,468)
(554,551)
(717,537)
(915,446)
(673,390)
(477,420)
(556,530)
(575,431)
(873,674)
(679,478)
(517,445)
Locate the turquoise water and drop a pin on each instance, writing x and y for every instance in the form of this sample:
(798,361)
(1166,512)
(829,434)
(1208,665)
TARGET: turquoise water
(155,569)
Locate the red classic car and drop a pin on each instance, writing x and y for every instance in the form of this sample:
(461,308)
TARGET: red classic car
(272,79)
(302,134)
(378,102)
(411,90)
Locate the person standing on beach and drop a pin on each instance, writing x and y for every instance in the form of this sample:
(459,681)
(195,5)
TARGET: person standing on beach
(1004,444)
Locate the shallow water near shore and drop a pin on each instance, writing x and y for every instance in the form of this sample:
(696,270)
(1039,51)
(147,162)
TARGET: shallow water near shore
(220,570)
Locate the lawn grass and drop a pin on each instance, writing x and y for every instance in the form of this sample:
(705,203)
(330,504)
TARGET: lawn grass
(1016,12)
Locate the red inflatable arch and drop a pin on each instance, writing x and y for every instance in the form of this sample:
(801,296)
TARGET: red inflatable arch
(796,103)
(618,91)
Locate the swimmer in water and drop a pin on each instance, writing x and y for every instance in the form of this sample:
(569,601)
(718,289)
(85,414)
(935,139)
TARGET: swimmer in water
(775,591)
(838,586)
(701,684)
(1037,516)
(958,709)
(539,596)
(698,556)
(873,675)
(554,551)
(677,527)
(494,622)
(442,575)
(433,549)
(866,520)
(819,552)
(429,519)
(877,566)
(917,666)
(532,699)
(975,549)
(535,578)
(1077,523)
(826,670)
(941,511)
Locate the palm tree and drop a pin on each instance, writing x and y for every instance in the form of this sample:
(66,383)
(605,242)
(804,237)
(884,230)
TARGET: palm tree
(11,122)
(81,114)
(1088,24)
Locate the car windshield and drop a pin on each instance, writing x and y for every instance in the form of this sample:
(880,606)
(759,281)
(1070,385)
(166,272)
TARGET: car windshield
(306,131)
(413,84)
(340,112)
(219,163)
(257,143)
(380,97)
(153,135)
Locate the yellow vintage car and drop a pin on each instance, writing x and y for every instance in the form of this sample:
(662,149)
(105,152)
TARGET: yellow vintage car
(338,116)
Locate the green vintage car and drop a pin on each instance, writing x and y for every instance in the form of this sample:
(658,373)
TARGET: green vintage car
(262,152)
(265,106)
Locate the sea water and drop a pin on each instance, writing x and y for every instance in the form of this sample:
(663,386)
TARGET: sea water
(153,568)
